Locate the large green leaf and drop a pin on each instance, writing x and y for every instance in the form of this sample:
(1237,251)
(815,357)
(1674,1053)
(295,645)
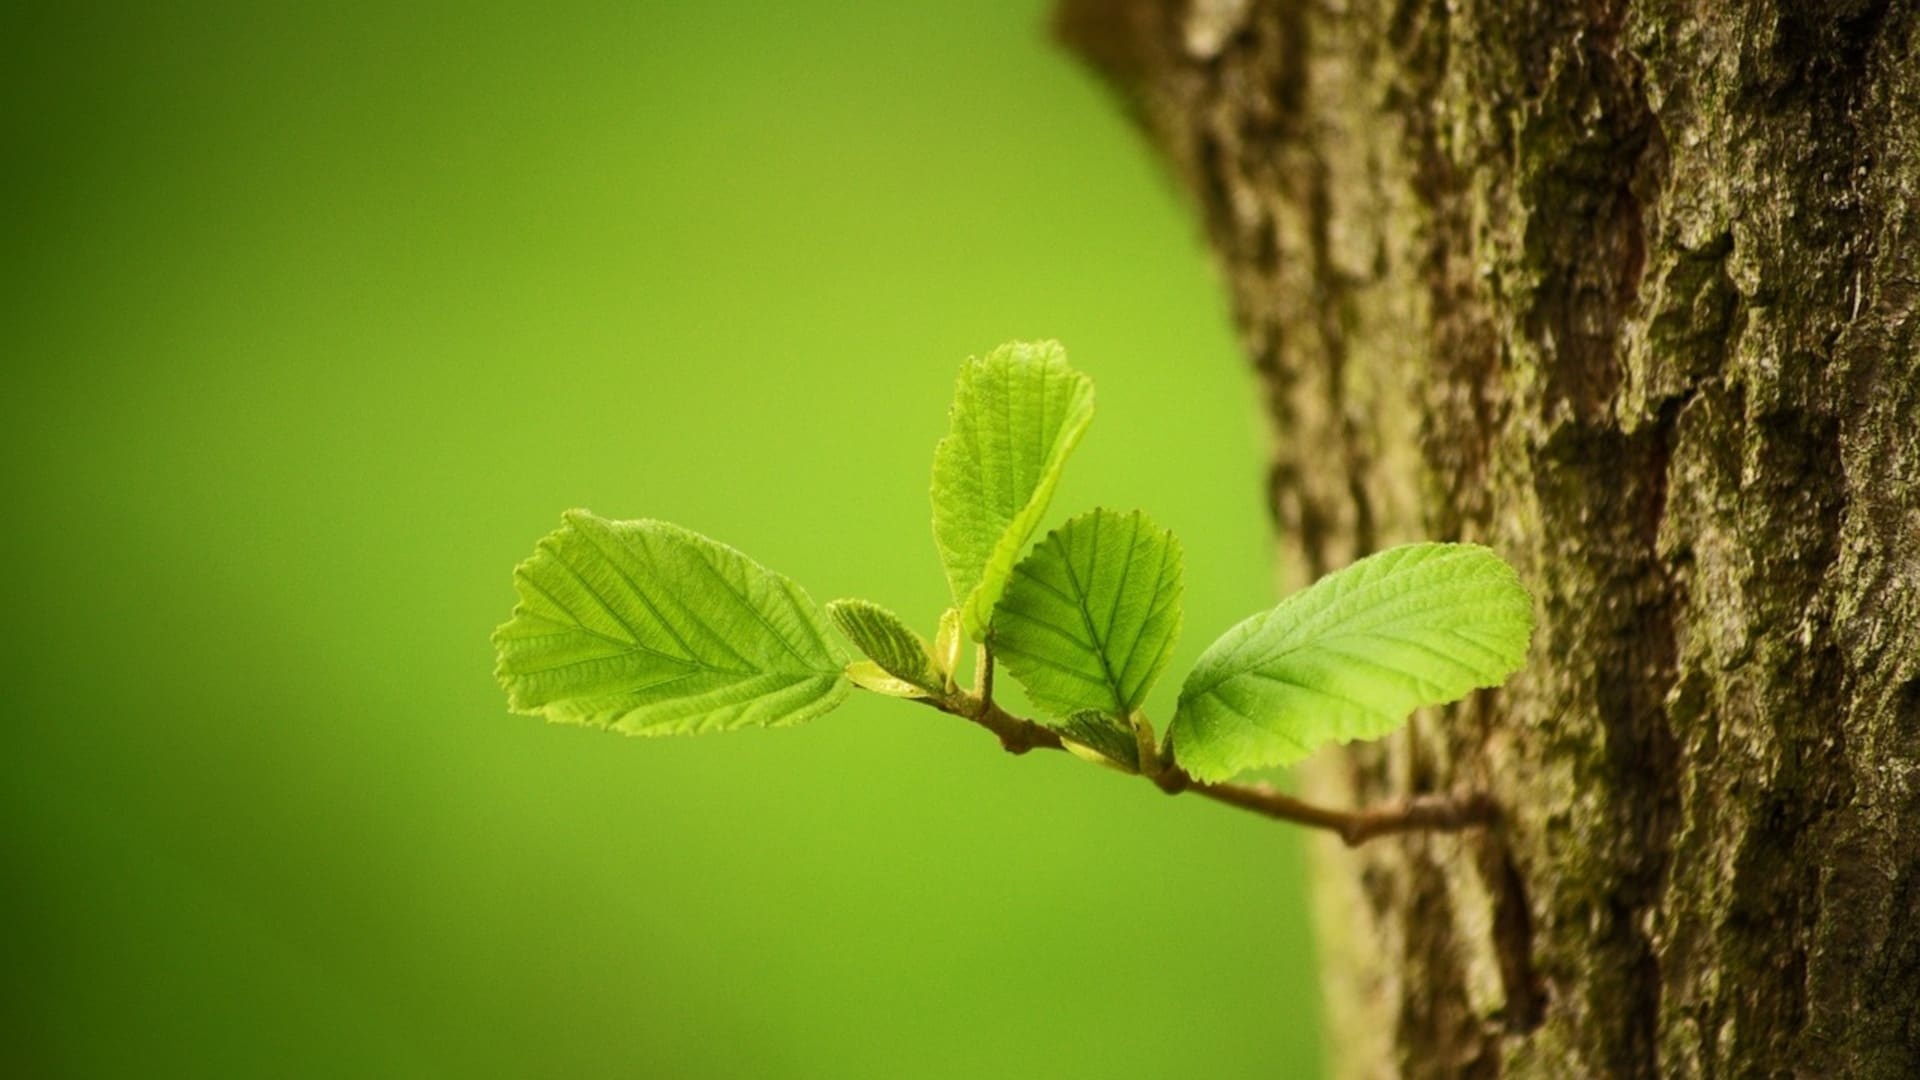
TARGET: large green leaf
(1351,656)
(1090,618)
(1016,416)
(648,628)
(888,642)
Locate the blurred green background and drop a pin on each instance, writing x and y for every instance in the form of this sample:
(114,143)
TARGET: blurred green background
(315,320)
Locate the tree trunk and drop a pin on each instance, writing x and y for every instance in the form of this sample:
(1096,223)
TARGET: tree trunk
(1626,291)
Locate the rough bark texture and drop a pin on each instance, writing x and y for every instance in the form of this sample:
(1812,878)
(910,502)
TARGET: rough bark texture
(1627,291)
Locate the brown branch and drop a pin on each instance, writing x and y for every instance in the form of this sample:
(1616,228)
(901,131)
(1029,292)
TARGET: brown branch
(1017,736)
(1431,813)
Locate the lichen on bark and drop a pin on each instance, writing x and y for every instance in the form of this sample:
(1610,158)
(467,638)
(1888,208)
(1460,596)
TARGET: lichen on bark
(1627,291)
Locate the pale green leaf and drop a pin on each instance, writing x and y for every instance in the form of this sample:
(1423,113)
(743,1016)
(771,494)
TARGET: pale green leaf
(946,643)
(1351,656)
(1089,619)
(888,642)
(868,675)
(1016,416)
(647,628)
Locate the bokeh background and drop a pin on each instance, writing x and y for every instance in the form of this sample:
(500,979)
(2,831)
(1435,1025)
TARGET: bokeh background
(314,320)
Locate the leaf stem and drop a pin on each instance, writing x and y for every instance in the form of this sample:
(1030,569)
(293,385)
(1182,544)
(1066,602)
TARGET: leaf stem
(1421,813)
(986,674)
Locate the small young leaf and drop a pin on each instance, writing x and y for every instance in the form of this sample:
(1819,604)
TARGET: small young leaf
(648,628)
(868,675)
(946,643)
(1091,615)
(1110,738)
(1351,656)
(888,642)
(1016,416)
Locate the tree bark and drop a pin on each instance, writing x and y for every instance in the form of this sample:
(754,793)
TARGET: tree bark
(1626,291)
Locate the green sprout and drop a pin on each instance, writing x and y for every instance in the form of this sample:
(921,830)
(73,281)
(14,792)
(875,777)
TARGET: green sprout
(646,628)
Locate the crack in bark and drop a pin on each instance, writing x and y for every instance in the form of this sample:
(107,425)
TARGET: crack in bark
(1526,993)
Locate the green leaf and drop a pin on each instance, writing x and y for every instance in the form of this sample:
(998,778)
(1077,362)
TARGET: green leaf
(1016,416)
(1351,656)
(1110,739)
(1090,618)
(647,628)
(888,642)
